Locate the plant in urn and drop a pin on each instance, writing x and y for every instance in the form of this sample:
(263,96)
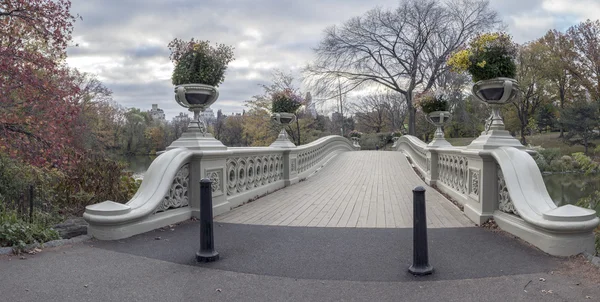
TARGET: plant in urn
(395,137)
(436,112)
(284,105)
(490,60)
(355,136)
(199,69)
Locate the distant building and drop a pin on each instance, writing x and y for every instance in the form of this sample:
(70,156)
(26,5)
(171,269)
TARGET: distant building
(208,115)
(182,117)
(157,114)
(310,106)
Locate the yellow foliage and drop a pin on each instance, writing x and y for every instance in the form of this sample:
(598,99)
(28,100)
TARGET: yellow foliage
(459,61)
(483,40)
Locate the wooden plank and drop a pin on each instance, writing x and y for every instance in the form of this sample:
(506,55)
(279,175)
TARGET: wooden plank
(355,189)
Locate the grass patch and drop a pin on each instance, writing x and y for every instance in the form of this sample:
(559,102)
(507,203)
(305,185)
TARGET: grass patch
(545,140)
(460,141)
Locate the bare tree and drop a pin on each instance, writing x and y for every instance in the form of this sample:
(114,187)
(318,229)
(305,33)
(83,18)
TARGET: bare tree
(380,112)
(370,113)
(403,49)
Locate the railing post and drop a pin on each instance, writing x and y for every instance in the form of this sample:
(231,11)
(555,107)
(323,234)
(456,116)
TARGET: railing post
(420,251)
(489,186)
(290,166)
(193,188)
(207,251)
(432,166)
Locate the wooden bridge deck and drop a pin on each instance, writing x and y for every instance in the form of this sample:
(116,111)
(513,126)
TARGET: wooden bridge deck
(371,189)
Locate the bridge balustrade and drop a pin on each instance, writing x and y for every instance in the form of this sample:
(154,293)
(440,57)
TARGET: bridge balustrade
(503,184)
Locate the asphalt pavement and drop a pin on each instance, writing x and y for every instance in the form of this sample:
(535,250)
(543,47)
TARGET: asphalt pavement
(273,263)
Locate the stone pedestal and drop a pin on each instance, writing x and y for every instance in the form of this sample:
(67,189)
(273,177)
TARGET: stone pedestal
(282,141)
(283,119)
(197,137)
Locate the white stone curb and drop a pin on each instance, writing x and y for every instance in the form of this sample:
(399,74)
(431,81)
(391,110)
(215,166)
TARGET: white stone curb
(595,260)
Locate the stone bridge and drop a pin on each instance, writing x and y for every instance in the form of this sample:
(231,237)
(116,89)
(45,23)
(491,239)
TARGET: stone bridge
(330,183)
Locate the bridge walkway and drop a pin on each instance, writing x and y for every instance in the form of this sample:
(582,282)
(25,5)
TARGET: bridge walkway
(362,189)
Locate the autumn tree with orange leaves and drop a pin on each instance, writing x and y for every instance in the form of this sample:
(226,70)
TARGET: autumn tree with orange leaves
(37,94)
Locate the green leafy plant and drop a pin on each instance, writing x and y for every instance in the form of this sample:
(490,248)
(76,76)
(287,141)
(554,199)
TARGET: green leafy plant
(429,102)
(487,56)
(385,138)
(199,63)
(592,202)
(396,134)
(588,166)
(95,179)
(355,133)
(17,233)
(285,101)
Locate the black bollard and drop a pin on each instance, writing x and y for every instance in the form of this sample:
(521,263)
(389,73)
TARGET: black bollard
(207,251)
(420,252)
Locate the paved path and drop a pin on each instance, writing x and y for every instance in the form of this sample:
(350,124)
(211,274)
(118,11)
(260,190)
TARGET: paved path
(271,263)
(370,189)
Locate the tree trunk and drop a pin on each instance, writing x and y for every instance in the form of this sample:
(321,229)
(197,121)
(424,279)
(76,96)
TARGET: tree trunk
(298,128)
(562,107)
(411,120)
(523,140)
(411,112)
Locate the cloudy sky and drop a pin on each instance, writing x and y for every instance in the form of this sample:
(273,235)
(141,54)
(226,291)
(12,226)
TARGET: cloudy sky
(124,42)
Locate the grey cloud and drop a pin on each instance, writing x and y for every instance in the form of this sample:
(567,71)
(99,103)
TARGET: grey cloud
(272,33)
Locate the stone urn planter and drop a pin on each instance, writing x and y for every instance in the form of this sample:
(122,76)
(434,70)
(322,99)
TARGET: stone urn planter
(283,119)
(355,142)
(496,92)
(196,97)
(439,119)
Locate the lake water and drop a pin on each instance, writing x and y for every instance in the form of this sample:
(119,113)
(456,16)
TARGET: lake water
(138,164)
(569,188)
(563,188)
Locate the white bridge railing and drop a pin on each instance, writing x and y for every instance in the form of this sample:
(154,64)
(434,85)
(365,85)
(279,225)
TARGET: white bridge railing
(170,190)
(504,184)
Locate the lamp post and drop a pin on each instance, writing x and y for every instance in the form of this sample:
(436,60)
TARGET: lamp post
(341,104)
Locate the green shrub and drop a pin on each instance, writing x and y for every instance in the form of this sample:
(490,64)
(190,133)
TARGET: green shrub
(355,133)
(487,56)
(586,164)
(541,162)
(548,160)
(429,102)
(592,202)
(385,138)
(550,154)
(285,101)
(95,179)
(568,163)
(18,233)
(369,141)
(198,62)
